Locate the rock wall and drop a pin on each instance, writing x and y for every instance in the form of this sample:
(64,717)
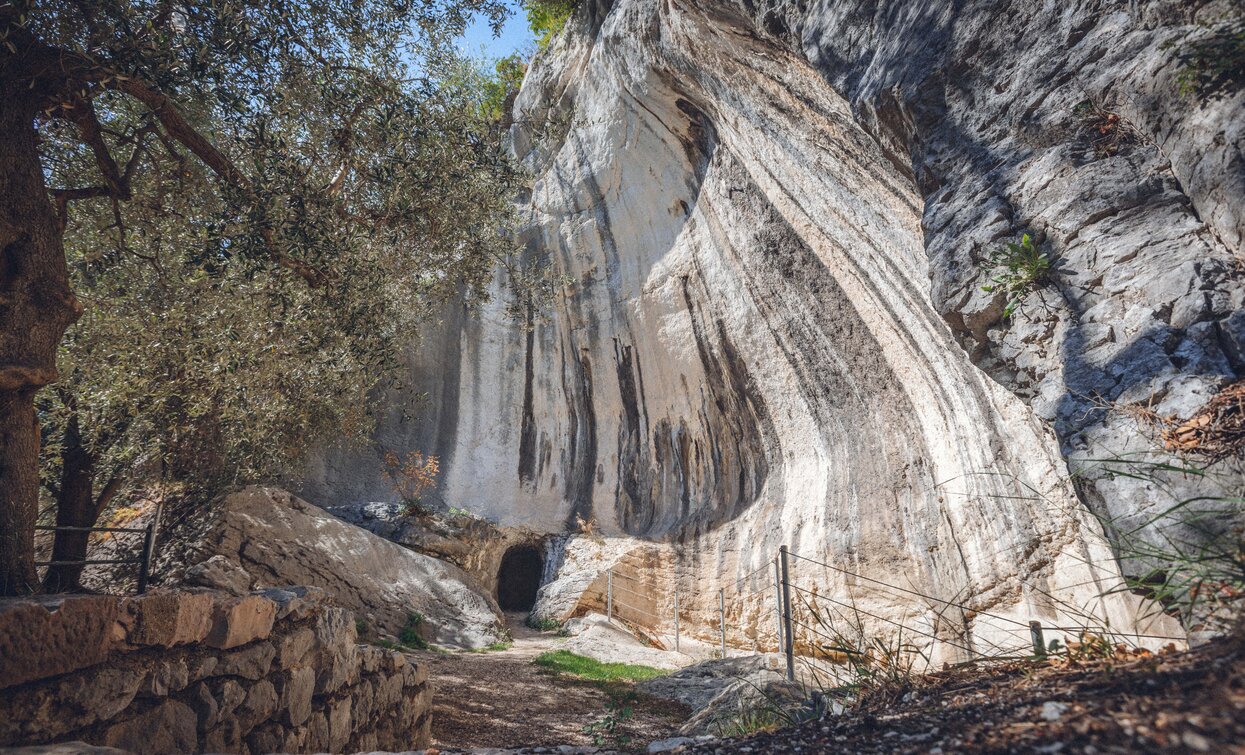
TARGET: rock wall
(278,671)
(470,543)
(264,537)
(776,220)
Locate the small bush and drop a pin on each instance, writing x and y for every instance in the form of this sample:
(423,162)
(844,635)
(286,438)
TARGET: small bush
(566,662)
(1106,131)
(749,720)
(411,477)
(543,625)
(361,627)
(609,729)
(1187,558)
(410,635)
(1019,269)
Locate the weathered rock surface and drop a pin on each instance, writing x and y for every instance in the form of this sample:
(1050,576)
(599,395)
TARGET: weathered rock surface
(720,691)
(777,219)
(264,537)
(475,545)
(204,672)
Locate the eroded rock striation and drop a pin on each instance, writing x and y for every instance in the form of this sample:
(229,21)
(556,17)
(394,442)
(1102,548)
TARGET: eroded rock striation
(777,220)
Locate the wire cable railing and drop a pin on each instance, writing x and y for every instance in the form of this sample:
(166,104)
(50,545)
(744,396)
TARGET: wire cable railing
(837,625)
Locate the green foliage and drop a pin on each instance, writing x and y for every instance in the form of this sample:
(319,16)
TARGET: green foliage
(543,625)
(1189,557)
(547,17)
(244,302)
(361,627)
(410,635)
(499,87)
(749,720)
(608,730)
(1018,269)
(496,647)
(566,662)
(1214,67)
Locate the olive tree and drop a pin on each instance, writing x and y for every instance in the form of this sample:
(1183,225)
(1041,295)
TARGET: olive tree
(253,203)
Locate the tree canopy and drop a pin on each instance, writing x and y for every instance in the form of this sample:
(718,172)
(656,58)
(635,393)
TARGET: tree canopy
(257,206)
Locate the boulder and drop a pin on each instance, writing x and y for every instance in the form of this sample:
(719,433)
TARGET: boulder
(280,540)
(720,690)
(220,573)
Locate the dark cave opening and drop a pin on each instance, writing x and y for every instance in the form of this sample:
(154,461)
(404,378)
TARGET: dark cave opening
(518,578)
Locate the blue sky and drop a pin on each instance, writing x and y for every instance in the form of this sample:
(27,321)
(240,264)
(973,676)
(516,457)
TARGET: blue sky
(515,35)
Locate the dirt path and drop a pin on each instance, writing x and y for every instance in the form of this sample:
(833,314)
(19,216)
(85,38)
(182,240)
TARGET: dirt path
(501,699)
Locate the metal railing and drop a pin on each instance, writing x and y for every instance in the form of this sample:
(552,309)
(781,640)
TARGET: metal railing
(624,591)
(143,560)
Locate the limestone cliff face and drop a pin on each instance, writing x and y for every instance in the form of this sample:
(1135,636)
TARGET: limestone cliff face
(775,219)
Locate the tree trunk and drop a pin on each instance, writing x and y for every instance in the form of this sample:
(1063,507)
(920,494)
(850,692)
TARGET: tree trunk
(75,507)
(36,306)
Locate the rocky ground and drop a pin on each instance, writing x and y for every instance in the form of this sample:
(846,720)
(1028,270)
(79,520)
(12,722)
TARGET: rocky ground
(1189,702)
(499,699)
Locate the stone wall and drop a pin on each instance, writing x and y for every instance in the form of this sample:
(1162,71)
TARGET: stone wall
(274,671)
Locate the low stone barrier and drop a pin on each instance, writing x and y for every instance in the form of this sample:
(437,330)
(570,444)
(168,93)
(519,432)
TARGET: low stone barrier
(200,671)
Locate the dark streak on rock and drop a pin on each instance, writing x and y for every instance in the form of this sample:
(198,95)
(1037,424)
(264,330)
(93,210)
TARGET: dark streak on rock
(527,432)
(582,460)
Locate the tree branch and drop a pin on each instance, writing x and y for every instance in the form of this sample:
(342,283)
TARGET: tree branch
(76,69)
(106,495)
(81,111)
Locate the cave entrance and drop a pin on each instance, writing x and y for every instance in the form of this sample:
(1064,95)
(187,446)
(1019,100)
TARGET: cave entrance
(518,578)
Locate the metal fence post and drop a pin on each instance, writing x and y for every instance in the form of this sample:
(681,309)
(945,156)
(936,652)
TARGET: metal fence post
(144,567)
(788,636)
(609,595)
(722,618)
(778,603)
(1039,643)
(676,617)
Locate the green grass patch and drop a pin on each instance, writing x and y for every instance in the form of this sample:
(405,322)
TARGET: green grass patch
(566,662)
(496,647)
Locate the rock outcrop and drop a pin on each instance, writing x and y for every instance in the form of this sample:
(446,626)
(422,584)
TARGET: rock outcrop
(777,219)
(187,671)
(472,544)
(265,537)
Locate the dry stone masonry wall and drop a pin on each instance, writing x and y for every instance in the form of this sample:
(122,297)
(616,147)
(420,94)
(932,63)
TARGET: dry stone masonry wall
(277,671)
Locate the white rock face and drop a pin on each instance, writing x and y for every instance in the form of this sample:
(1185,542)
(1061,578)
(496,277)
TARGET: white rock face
(776,224)
(264,537)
